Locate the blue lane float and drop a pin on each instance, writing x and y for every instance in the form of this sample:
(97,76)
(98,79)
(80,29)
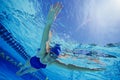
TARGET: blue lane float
(7,36)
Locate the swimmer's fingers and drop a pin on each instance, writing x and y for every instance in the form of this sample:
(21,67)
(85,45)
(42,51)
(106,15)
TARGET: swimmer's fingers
(54,10)
(58,5)
(58,8)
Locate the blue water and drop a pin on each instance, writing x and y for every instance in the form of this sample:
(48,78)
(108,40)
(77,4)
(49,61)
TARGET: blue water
(80,23)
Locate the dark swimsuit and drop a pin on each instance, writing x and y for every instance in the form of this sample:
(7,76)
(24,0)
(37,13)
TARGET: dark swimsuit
(35,63)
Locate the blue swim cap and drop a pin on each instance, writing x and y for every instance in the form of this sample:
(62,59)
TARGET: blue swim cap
(56,49)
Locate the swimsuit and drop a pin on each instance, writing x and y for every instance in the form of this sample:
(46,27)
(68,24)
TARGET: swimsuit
(35,63)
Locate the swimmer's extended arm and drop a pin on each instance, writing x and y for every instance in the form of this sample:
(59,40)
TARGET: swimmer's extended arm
(54,10)
(64,56)
(48,42)
(77,68)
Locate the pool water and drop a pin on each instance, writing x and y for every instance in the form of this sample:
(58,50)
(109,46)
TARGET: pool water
(82,25)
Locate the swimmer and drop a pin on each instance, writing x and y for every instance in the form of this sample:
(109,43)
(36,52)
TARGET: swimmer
(91,55)
(113,44)
(83,54)
(47,56)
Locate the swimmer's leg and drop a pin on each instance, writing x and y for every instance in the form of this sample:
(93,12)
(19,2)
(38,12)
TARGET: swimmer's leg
(29,70)
(75,67)
(26,65)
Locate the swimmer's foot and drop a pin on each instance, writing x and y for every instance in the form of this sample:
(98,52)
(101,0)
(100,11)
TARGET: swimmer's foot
(19,73)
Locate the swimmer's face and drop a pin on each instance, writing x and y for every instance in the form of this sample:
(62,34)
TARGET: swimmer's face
(51,57)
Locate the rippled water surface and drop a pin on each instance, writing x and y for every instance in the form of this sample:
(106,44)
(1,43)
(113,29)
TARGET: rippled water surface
(80,24)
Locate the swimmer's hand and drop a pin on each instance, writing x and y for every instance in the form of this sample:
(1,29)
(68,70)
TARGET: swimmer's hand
(54,10)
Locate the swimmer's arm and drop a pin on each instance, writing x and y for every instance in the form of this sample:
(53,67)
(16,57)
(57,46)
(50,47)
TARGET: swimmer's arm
(55,9)
(48,42)
(64,55)
(77,68)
